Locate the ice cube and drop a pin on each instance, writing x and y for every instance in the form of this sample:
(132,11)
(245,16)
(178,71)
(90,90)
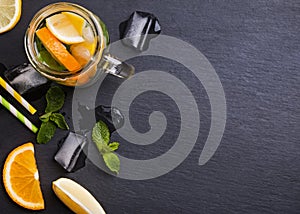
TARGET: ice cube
(27,81)
(139,29)
(111,116)
(88,34)
(70,151)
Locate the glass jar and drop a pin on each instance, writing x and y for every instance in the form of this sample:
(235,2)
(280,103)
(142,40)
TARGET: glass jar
(101,61)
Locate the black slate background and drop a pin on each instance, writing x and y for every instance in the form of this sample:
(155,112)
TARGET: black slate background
(254,48)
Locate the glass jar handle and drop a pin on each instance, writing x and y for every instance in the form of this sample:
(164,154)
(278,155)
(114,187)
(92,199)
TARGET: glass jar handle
(116,67)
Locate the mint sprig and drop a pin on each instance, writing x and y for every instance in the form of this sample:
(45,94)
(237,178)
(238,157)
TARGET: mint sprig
(51,119)
(101,138)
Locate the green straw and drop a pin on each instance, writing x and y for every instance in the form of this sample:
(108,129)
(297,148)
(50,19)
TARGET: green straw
(18,115)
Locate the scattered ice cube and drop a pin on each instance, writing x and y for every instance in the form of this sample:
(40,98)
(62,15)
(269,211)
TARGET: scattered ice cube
(139,29)
(70,151)
(27,81)
(111,116)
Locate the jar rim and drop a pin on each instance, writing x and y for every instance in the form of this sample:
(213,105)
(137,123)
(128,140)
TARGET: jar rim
(49,10)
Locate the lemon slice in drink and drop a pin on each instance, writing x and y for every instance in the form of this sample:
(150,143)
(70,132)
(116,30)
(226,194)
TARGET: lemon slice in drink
(77,198)
(77,21)
(61,26)
(10,13)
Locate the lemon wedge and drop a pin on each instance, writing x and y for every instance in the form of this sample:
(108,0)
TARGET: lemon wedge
(90,46)
(74,196)
(77,21)
(10,13)
(61,26)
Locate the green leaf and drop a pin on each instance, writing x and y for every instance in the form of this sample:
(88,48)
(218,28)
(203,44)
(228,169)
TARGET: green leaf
(101,137)
(103,148)
(39,45)
(112,161)
(59,120)
(100,147)
(45,117)
(45,57)
(100,133)
(55,99)
(114,146)
(68,47)
(105,31)
(46,132)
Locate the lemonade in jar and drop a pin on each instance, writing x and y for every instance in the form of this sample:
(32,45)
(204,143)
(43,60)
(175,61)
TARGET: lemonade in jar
(65,42)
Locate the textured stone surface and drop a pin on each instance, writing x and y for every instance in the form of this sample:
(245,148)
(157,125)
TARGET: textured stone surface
(254,48)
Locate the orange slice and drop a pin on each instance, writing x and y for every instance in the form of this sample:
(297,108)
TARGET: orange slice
(58,50)
(21,178)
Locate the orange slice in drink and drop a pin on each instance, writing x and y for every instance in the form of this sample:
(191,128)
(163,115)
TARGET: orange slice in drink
(21,178)
(57,50)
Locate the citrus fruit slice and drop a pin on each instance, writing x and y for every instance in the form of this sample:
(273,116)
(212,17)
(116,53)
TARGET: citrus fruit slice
(10,13)
(77,21)
(21,178)
(74,196)
(81,53)
(58,51)
(90,46)
(63,29)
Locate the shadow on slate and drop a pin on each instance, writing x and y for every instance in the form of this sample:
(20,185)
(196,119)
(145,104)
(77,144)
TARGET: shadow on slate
(2,69)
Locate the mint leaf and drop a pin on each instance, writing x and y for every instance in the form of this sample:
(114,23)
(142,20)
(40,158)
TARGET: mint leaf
(100,133)
(112,161)
(100,147)
(103,148)
(39,45)
(113,146)
(46,132)
(59,120)
(45,57)
(105,31)
(55,99)
(101,137)
(45,117)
